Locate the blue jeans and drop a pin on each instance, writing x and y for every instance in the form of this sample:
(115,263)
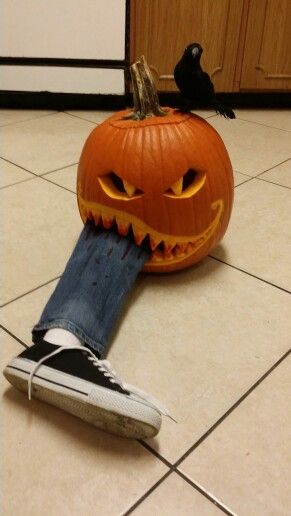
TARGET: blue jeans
(90,293)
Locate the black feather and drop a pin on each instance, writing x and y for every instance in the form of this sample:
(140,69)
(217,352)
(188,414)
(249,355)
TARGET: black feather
(195,85)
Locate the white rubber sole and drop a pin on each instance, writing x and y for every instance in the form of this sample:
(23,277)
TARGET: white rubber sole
(109,410)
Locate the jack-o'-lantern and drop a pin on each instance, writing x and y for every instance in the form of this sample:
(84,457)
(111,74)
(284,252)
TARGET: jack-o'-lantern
(158,174)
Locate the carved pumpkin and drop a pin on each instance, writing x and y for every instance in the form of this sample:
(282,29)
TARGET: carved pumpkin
(166,177)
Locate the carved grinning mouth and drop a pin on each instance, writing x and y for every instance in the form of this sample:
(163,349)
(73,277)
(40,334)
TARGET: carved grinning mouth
(165,248)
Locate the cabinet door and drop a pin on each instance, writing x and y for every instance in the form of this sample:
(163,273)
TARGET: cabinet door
(161,29)
(267,54)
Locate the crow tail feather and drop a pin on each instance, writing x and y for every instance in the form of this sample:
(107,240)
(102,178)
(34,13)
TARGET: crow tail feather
(225,111)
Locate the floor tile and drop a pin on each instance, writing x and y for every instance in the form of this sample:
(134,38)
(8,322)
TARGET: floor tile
(280,175)
(197,340)
(258,239)
(10,174)
(41,225)
(246,460)
(45,144)
(280,118)
(253,148)
(66,177)
(240,178)
(174,497)
(56,464)
(91,115)
(11,116)
(19,317)
(204,113)
(180,338)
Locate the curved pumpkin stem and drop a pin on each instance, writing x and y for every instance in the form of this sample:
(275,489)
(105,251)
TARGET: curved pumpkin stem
(145,97)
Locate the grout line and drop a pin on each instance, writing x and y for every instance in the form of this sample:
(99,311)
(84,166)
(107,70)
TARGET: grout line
(19,166)
(154,452)
(273,183)
(86,119)
(58,169)
(38,175)
(250,274)
(17,182)
(29,119)
(242,173)
(29,292)
(205,493)
(173,467)
(264,125)
(207,118)
(35,176)
(244,182)
(147,493)
(274,166)
(231,409)
(56,184)
(260,173)
(14,336)
(262,179)
(195,486)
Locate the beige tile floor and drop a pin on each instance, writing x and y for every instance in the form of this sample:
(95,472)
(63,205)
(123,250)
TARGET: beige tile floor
(211,342)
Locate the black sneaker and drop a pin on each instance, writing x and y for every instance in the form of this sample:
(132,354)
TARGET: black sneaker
(75,380)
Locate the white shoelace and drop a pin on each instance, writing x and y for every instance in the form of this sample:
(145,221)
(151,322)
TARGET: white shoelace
(105,367)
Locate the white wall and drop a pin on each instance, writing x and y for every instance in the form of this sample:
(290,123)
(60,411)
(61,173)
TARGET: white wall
(80,29)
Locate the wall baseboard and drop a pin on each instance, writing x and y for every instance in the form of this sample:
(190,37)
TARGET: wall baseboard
(65,101)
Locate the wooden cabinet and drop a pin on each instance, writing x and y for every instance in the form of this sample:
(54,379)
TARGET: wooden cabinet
(247,43)
(266,61)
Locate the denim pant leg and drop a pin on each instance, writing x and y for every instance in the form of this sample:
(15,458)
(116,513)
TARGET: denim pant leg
(89,295)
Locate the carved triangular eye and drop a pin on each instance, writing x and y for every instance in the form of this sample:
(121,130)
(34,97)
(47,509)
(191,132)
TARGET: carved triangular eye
(186,180)
(118,188)
(187,185)
(123,186)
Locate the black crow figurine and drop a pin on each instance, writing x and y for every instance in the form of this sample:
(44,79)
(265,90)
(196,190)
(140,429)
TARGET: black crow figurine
(195,85)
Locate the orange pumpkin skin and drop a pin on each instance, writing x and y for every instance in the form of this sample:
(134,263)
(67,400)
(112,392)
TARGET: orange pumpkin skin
(152,155)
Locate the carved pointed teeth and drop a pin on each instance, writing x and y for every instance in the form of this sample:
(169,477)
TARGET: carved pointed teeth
(93,216)
(97,218)
(157,256)
(107,222)
(138,238)
(169,251)
(161,250)
(123,228)
(154,243)
(169,247)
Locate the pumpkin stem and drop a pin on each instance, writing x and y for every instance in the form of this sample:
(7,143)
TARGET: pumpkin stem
(145,96)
